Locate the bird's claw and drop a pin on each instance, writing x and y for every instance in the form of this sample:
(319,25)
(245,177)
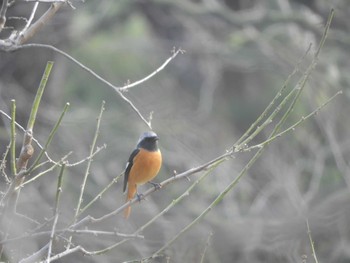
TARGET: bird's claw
(157,186)
(140,197)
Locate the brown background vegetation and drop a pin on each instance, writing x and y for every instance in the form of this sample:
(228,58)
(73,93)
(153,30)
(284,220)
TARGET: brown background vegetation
(238,54)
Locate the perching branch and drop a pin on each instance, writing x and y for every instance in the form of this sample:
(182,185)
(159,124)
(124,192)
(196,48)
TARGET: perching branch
(89,219)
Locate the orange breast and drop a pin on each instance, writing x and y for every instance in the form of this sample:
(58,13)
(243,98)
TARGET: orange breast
(146,166)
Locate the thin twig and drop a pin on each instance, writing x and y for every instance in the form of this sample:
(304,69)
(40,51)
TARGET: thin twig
(49,139)
(292,127)
(36,256)
(72,231)
(3,164)
(30,19)
(3,11)
(89,219)
(212,205)
(59,163)
(99,195)
(243,145)
(210,166)
(207,243)
(177,200)
(57,203)
(240,144)
(67,252)
(138,82)
(23,216)
(13,138)
(90,71)
(84,251)
(23,130)
(311,241)
(87,158)
(68,164)
(87,171)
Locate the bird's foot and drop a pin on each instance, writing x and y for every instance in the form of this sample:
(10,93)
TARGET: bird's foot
(157,186)
(140,197)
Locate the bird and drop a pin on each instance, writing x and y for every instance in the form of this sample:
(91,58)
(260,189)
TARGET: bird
(143,165)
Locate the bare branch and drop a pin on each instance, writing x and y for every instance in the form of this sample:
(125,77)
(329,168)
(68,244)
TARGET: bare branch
(98,149)
(13,138)
(63,159)
(130,85)
(29,20)
(34,28)
(207,243)
(311,241)
(99,195)
(87,158)
(36,256)
(118,90)
(72,231)
(292,127)
(3,11)
(3,164)
(57,203)
(87,171)
(23,130)
(89,219)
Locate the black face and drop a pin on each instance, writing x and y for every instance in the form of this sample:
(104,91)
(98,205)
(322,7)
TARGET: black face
(149,142)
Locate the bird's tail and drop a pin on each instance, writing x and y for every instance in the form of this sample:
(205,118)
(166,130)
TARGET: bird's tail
(130,195)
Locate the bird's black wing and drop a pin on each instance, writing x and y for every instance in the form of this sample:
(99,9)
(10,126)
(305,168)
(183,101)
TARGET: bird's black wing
(128,167)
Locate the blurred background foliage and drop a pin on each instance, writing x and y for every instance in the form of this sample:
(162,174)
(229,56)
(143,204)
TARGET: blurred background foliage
(238,55)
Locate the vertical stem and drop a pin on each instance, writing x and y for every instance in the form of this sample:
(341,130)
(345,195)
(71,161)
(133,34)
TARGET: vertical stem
(311,241)
(52,133)
(38,95)
(82,189)
(57,202)
(13,138)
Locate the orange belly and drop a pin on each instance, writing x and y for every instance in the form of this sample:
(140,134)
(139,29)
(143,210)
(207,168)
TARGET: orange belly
(146,166)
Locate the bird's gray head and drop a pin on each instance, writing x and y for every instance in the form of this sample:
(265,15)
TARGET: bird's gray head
(148,140)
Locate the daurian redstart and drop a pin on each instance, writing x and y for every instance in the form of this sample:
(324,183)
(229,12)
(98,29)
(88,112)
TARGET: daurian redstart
(143,165)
